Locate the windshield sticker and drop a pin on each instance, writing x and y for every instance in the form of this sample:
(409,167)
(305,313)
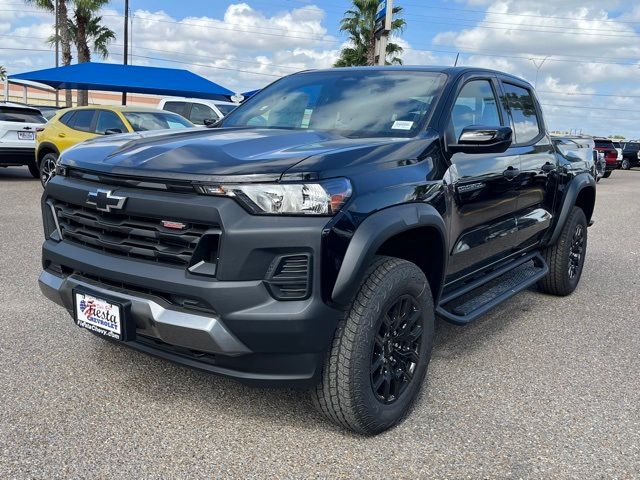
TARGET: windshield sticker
(402,125)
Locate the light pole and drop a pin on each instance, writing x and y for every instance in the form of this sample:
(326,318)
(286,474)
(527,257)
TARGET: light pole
(126,43)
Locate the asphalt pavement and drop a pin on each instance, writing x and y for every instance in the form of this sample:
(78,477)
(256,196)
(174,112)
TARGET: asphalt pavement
(542,387)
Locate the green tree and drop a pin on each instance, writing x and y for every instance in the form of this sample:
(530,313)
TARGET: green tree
(359,23)
(63,35)
(3,73)
(86,31)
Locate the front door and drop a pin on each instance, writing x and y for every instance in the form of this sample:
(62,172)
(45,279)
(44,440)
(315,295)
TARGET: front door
(483,223)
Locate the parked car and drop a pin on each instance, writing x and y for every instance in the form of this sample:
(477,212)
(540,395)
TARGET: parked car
(618,146)
(18,124)
(312,238)
(630,155)
(606,146)
(197,110)
(72,126)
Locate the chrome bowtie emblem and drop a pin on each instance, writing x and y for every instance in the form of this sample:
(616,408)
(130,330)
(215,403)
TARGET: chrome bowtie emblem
(104,201)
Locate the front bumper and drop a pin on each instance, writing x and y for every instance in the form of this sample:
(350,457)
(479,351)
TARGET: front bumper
(244,333)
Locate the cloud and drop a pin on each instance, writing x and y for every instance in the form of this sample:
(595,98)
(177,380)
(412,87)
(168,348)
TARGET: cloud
(590,52)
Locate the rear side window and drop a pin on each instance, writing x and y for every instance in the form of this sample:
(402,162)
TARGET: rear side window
(109,120)
(82,120)
(604,144)
(632,147)
(21,115)
(181,108)
(523,111)
(200,113)
(67,118)
(476,105)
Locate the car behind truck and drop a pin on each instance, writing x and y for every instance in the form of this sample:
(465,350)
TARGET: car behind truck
(312,237)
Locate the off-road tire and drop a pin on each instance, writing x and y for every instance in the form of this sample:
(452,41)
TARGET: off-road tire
(345,394)
(558,281)
(607,174)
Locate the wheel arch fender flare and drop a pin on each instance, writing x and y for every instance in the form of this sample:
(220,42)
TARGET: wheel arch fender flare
(583,187)
(45,146)
(373,232)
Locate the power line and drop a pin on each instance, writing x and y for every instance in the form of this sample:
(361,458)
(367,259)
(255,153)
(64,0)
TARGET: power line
(621,95)
(523,14)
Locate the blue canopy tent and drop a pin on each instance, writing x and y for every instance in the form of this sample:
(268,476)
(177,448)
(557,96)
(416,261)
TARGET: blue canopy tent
(112,77)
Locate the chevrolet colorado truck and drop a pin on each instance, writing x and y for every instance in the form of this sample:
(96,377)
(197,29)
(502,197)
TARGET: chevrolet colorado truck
(311,237)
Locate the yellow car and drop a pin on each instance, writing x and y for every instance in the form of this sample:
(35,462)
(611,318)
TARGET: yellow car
(74,125)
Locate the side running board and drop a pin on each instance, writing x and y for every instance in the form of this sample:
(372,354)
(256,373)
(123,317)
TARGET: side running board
(475,298)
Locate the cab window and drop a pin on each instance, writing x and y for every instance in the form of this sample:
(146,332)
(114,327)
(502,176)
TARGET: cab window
(108,120)
(523,112)
(476,104)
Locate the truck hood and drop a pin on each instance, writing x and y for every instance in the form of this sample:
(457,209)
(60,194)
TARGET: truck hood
(265,153)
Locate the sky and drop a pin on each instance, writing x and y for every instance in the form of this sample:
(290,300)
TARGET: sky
(583,56)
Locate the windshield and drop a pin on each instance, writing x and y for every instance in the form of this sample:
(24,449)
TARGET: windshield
(225,108)
(141,121)
(352,103)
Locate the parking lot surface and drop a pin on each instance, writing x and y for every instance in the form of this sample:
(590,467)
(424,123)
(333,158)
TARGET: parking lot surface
(541,387)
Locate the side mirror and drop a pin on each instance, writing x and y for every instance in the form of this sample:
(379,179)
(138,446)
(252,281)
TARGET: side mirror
(112,131)
(210,122)
(477,139)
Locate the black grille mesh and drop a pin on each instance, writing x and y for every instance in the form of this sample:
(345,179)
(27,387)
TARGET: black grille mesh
(129,236)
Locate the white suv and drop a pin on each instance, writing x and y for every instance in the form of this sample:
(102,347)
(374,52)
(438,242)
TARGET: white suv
(198,110)
(18,124)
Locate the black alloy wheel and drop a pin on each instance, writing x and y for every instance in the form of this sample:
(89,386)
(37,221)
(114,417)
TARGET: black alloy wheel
(48,168)
(396,349)
(576,251)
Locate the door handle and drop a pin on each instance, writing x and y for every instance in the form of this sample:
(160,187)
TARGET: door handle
(61,135)
(511,173)
(548,167)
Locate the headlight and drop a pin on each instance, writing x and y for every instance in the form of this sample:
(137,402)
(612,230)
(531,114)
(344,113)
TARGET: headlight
(322,198)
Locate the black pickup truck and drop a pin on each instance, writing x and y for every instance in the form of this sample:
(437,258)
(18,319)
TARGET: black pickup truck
(311,237)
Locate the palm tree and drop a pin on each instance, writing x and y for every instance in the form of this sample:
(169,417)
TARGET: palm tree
(3,73)
(359,23)
(65,41)
(85,29)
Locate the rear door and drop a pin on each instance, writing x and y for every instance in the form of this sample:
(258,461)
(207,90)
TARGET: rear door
(483,223)
(18,126)
(537,180)
(79,127)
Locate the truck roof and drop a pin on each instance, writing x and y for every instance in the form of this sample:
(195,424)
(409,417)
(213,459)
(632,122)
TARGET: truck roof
(451,71)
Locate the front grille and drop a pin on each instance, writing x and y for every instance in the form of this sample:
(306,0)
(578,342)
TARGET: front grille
(129,236)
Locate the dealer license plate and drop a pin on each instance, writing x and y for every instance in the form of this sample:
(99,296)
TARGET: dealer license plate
(26,136)
(98,315)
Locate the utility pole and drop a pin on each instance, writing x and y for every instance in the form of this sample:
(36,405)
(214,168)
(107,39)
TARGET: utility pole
(126,43)
(56,13)
(384,17)
(538,67)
